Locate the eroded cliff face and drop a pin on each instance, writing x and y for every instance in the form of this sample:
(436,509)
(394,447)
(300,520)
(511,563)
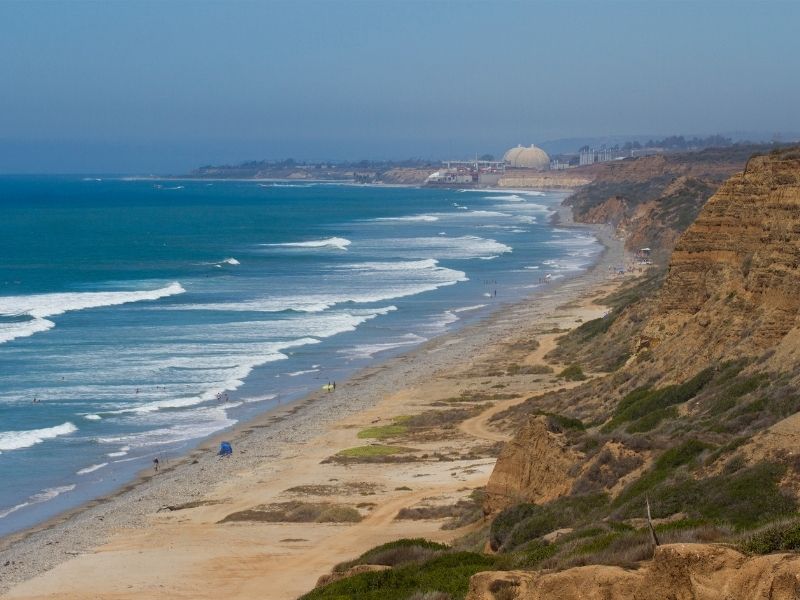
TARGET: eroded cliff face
(690,571)
(533,467)
(733,285)
(652,200)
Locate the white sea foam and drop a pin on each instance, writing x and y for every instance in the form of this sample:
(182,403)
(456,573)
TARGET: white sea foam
(469,308)
(484,213)
(506,198)
(25,328)
(413,218)
(14,440)
(333,242)
(187,425)
(442,247)
(43,496)
(263,398)
(121,452)
(374,281)
(92,417)
(91,469)
(36,307)
(231,261)
(364,351)
(304,372)
(506,191)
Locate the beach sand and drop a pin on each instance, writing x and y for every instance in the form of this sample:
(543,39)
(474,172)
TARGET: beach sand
(131,545)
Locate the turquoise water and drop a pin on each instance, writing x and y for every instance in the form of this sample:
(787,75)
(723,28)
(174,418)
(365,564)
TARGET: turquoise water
(145,316)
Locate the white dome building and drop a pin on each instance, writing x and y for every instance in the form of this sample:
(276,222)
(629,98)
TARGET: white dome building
(527,158)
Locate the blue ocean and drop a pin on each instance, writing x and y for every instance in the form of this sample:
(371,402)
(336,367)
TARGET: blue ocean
(143,316)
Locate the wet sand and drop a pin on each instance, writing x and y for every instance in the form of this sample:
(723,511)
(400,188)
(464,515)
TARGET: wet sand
(131,545)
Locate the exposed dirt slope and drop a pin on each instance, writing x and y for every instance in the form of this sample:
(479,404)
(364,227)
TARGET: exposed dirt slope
(677,571)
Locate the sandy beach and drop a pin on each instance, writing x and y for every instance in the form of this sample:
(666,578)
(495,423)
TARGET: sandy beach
(164,535)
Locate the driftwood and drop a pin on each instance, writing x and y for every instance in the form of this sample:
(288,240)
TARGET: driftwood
(650,523)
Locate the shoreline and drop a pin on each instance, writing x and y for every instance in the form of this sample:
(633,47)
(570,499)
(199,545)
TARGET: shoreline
(36,550)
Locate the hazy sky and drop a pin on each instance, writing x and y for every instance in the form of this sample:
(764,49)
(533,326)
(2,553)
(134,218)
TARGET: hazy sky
(165,85)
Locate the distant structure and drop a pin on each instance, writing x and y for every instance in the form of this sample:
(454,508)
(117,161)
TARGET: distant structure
(527,158)
(467,173)
(558,164)
(589,156)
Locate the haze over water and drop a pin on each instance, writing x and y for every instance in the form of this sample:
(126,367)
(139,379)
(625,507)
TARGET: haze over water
(131,309)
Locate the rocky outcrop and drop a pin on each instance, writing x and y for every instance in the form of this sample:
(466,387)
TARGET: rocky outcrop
(677,572)
(733,280)
(533,467)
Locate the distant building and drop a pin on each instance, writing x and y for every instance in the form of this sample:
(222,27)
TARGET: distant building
(559,165)
(589,156)
(527,158)
(467,173)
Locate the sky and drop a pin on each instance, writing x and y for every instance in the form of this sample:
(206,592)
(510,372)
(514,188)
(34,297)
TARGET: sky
(164,86)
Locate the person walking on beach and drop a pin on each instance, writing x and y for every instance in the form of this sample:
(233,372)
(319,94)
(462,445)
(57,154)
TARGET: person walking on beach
(155,464)
(334,386)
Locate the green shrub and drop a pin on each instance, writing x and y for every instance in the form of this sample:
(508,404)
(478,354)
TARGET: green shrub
(448,573)
(595,327)
(744,499)
(643,401)
(572,373)
(520,524)
(532,553)
(652,420)
(396,553)
(780,537)
(663,468)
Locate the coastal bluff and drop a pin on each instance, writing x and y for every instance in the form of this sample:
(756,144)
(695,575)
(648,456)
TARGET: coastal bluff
(733,280)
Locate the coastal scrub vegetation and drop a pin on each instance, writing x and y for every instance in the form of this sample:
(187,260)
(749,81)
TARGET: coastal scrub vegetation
(572,373)
(297,512)
(463,512)
(445,573)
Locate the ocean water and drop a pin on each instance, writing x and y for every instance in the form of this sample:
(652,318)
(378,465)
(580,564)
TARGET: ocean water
(144,316)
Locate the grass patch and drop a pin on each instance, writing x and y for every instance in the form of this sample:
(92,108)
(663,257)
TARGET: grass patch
(354,487)
(383,432)
(372,451)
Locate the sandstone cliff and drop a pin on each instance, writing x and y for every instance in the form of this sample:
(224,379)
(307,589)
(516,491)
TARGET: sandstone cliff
(532,467)
(734,277)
